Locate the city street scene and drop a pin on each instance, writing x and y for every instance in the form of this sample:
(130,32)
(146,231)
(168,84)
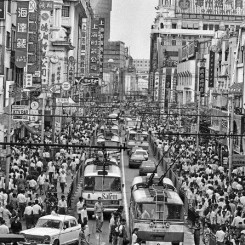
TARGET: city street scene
(122,122)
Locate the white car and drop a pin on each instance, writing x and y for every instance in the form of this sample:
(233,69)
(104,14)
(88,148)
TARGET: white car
(54,229)
(143,152)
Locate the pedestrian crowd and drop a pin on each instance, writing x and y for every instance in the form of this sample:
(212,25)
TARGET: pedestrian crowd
(36,175)
(216,203)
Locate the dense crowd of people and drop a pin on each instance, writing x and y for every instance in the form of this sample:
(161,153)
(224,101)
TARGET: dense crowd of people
(216,203)
(38,182)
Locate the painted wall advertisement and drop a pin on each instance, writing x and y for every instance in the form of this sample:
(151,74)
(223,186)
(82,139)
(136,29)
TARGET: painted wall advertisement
(21,34)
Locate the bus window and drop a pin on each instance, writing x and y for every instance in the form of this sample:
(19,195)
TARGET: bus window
(132,137)
(143,137)
(100,183)
(174,211)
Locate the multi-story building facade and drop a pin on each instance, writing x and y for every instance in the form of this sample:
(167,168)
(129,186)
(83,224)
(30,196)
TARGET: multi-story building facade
(102,8)
(142,67)
(179,22)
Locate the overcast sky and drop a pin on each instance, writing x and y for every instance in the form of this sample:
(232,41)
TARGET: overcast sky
(131,22)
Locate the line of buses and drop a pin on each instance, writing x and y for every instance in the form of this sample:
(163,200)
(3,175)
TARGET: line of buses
(155,209)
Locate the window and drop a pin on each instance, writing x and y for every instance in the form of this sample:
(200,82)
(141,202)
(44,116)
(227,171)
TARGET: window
(226,27)
(205,27)
(9,6)
(216,27)
(211,27)
(8,41)
(161,26)
(174,26)
(65,11)
(174,42)
(73,223)
(183,42)
(66,224)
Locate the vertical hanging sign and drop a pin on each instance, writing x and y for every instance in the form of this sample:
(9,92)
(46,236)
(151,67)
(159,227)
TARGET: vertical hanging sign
(202,81)
(211,69)
(94,47)
(83,46)
(45,8)
(21,34)
(101,45)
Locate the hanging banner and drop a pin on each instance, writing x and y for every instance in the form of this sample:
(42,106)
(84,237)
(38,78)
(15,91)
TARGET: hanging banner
(156,86)
(83,47)
(94,48)
(45,7)
(211,69)
(21,34)
(101,45)
(202,81)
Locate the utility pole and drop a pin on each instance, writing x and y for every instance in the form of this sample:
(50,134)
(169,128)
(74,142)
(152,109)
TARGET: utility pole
(198,119)
(42,122)
(231,137)
(8,147)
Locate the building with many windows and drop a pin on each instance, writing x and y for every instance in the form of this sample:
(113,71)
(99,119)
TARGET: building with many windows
(178,23)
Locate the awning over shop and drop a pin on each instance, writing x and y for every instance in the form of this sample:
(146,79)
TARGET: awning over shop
(236,88)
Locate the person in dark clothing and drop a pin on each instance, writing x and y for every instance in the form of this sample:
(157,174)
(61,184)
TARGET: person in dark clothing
(16,226)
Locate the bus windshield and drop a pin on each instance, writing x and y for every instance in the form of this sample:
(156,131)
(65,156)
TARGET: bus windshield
(112,143)
(102,183)
(132,137)
(143,137)
(164,211)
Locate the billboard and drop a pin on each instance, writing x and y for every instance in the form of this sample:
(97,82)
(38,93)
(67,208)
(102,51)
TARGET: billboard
(97,47)
(202,81)
(21,34)
(211,69)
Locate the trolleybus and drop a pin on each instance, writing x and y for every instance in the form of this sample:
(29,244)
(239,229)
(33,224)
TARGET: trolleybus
(156,210)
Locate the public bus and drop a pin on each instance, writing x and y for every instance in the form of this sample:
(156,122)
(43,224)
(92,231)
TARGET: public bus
(142,140)
(102,179)
(156,210)
(131,138)
(132,123)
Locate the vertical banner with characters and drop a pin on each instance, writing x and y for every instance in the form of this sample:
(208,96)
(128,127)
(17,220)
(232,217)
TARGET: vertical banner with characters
(83,47)
(94,47)
(211,69)
(202,81)
(156,87)
(21,34)
(45,8)
(101,45)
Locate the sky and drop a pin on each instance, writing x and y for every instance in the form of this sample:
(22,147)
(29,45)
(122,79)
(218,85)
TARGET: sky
(131,22)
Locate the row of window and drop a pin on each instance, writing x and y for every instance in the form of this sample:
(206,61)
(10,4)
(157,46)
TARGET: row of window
(205,27)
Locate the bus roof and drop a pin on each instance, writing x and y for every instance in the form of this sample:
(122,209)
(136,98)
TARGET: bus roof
(143,194)
(91,170)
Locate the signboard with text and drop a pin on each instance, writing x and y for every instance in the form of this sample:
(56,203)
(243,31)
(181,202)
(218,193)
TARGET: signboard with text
(238,160)
(21,34)
(211,69)
(20,112)
(202,81)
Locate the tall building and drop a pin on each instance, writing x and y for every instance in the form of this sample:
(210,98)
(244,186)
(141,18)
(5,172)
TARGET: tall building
(176,24)
(102,8)
(142,67)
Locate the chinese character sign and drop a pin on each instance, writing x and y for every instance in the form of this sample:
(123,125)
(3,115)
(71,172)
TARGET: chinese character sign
(44,35)
(94,47)
(83,46)
(202,81)
(101,45)
(211,69)
(21,34)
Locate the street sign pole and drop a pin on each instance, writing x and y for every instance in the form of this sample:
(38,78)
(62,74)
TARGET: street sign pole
(8,147)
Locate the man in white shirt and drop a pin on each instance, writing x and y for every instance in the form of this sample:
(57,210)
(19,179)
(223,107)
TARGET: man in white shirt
(220,236)
(28,215)
(39,166)
(21,199)
(36,211)
(84,214)
(41,179)
(33,184)
(4,228)
(79,209)
(62,205)
(62,181)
